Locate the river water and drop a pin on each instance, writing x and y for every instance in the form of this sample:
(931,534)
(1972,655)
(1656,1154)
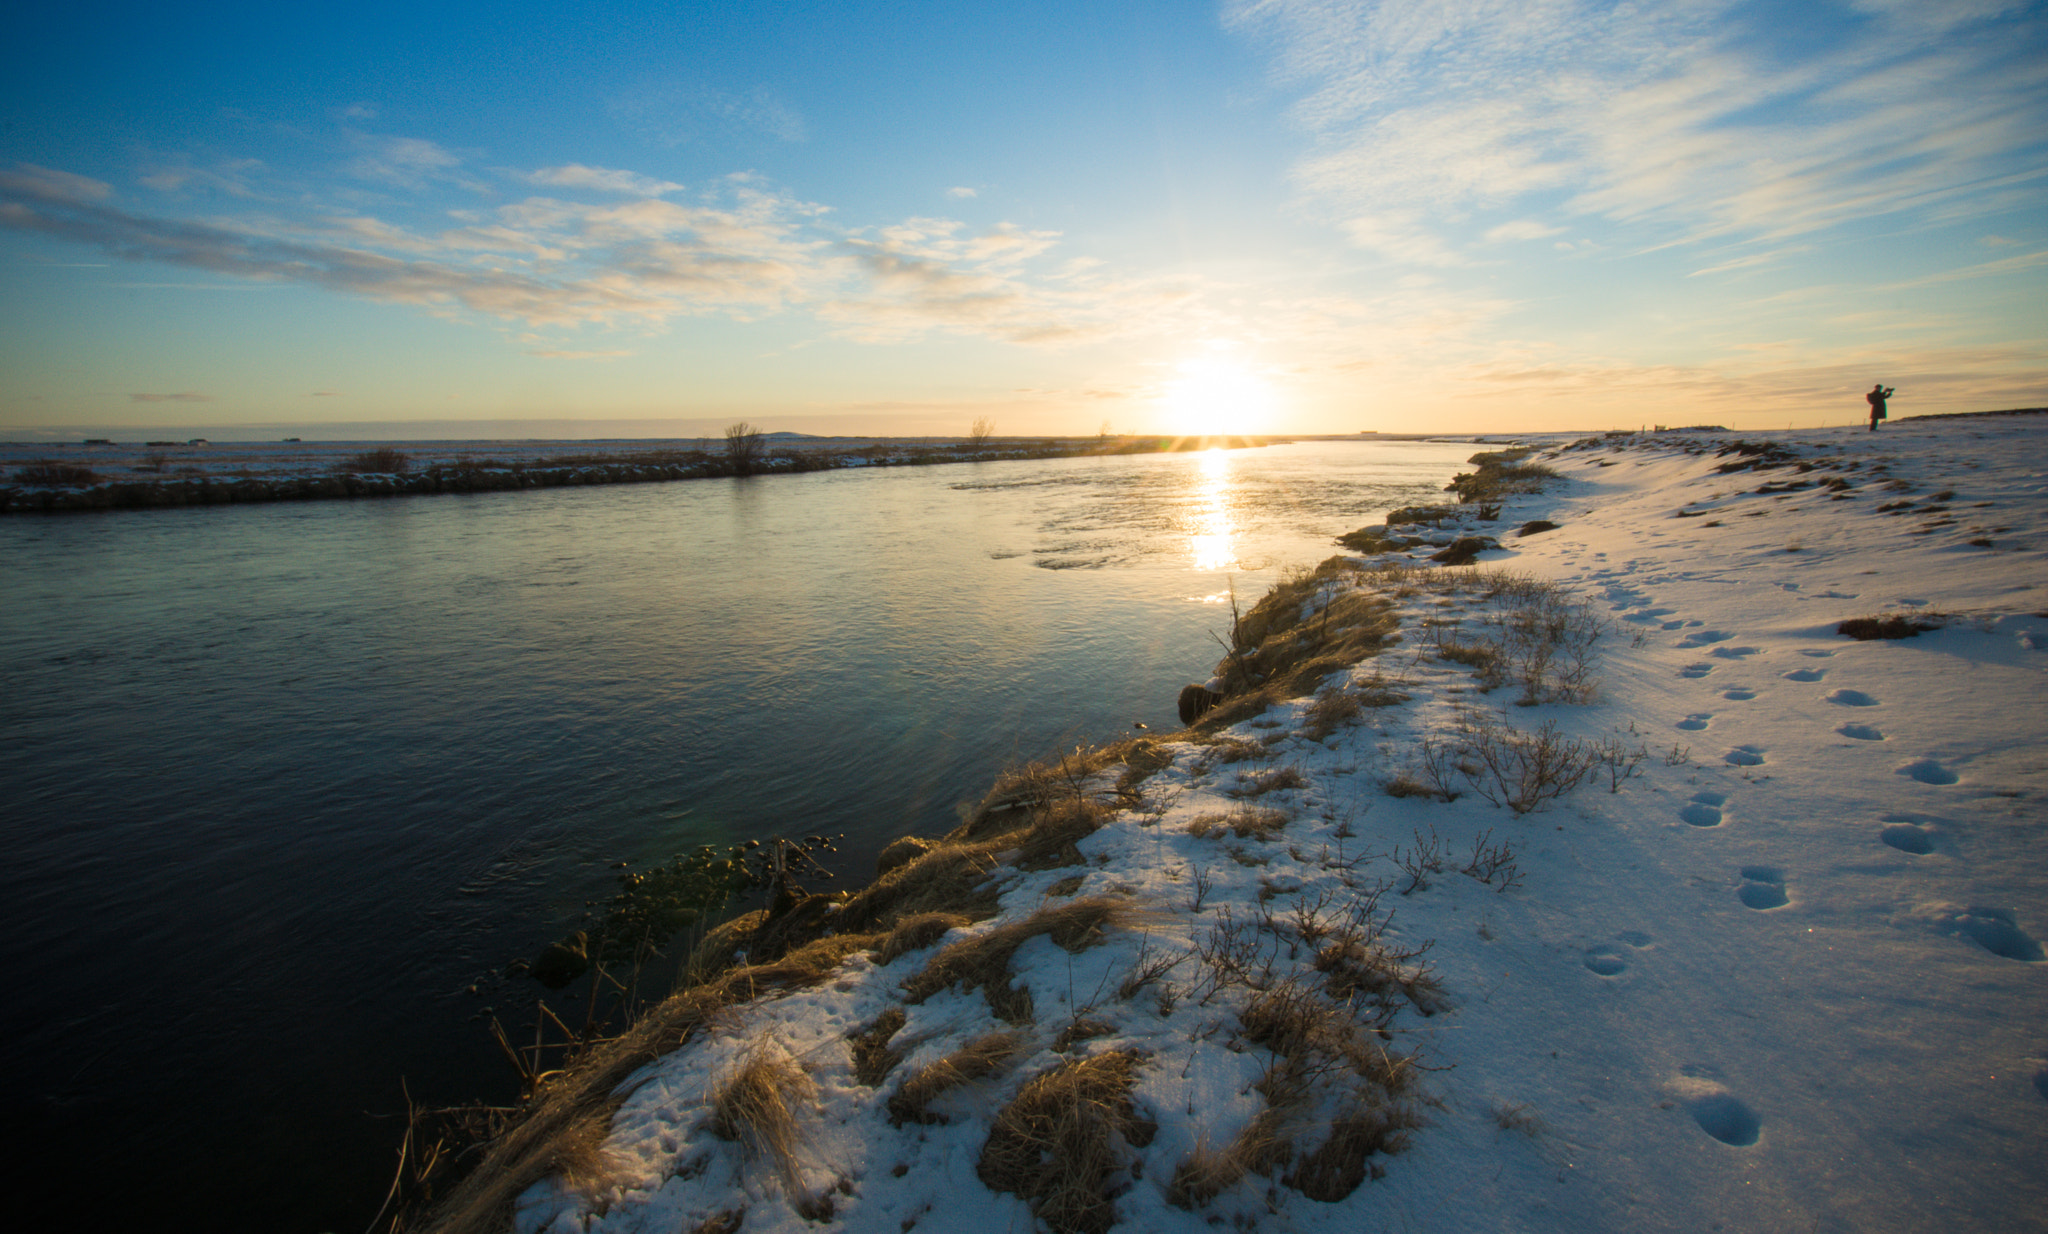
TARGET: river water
(281,782)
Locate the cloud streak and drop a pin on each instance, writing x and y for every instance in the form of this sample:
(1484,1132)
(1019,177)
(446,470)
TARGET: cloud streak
(1683,120)
(634,258)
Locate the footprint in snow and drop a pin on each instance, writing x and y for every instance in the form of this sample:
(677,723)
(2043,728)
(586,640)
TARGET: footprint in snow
(1908,838)
(1740,694)
(1695,670)
(1763,888)
(1862,732)
(1733,653)
(1704,810)
(1700,638)
(1816,652)
(1723,1115)
(1996,931)
(1851,698)
(1606,959)
(1696,721)
(1745,756)
(1671,625)
(1927,771)
(1804,674)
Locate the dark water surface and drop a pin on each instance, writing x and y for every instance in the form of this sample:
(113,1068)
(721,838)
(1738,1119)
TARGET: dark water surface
(277,783)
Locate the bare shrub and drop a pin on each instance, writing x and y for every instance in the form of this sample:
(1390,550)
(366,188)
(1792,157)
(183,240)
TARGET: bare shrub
(383,461)
(743,448)
(1425,858)
(977,1059)
(1057,1144)
(1621,761)
(1523,770)
(1492,862)
(50,474)
(979,433)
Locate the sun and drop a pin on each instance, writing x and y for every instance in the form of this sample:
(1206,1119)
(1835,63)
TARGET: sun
(1215,395)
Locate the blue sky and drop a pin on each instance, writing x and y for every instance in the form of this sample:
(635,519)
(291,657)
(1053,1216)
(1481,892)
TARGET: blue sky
(1292,215)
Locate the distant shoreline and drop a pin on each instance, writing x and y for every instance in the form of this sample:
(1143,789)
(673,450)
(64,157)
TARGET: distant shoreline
(126,476)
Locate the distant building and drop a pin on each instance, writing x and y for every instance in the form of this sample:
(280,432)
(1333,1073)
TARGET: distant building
(197,441)
(99,441)
(290,439)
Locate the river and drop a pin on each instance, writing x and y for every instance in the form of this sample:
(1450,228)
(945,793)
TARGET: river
(282,782)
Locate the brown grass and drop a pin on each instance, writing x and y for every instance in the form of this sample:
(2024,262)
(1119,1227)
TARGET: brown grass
(1311,624)
(983,962)
(572,1109)
(873,1060)
(1329,711)
(384,460)
(756,1104)
(1260,1146)
(1245,822)
(1259,783)
(978,1059)
(1056,1144)
(1336,1168)
(918,932)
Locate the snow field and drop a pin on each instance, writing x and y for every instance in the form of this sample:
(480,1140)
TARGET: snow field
(1775,961)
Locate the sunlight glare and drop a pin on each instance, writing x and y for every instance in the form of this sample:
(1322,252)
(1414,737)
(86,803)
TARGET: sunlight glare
(1215,395)
(1210,541)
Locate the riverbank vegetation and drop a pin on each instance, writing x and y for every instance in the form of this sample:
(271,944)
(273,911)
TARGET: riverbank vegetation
(1284,940)
(50,486)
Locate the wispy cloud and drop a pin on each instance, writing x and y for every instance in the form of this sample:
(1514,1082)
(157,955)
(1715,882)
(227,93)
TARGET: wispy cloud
(183,396)
(603,180)
(1685,120)
(961,192)
(739,248)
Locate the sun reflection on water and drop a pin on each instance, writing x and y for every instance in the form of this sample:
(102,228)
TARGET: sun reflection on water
(1212,538)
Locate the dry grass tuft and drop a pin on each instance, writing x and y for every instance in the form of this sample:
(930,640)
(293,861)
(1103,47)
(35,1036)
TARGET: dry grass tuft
(873,1060)
(1056,831)
(1056,1144)
(756,1104)
(1259,783)
(1329,711)
(1260,1147)
(572,1110)
(1083,1029)
(1234,750)
(918,932)
(1336,1168)
(1245,822)
(952,877)
(973,1061)
(983,962)
(1311,624)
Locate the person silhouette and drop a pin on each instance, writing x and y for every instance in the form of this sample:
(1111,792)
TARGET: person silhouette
(1878,394)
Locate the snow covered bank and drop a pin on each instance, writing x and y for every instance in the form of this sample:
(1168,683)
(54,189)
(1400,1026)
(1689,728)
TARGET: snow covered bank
(1617,891)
